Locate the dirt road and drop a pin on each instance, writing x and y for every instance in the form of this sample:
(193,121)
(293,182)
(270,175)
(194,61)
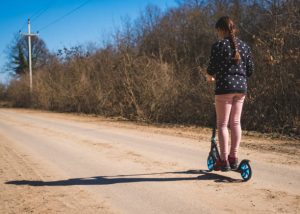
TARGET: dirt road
(59,163)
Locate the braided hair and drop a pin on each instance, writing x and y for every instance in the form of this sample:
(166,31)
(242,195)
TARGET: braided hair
(226,24)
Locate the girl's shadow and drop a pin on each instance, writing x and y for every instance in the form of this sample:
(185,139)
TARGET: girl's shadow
(108,180)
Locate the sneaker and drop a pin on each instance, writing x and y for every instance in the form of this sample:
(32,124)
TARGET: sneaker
(222,165)
(233,162)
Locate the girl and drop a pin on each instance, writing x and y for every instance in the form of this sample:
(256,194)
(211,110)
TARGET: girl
(230,65)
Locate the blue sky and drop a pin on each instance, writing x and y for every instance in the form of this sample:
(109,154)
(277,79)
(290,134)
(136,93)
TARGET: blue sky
(93,22)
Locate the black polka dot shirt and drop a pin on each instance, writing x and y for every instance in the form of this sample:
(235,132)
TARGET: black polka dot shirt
(230,78)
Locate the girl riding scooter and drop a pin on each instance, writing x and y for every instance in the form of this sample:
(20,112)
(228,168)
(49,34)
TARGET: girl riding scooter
(230,65)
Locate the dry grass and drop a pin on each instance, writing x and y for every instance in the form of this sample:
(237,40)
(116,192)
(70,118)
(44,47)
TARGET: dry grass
(154,70)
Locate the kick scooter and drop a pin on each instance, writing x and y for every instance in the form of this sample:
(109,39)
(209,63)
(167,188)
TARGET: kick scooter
(244,167)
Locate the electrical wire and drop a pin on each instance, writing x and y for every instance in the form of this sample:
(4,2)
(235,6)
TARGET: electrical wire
(63,16)
(41,13)
(24,25)
(36,15)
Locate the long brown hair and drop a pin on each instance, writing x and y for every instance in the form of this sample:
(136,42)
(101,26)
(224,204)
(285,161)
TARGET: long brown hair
(226,24)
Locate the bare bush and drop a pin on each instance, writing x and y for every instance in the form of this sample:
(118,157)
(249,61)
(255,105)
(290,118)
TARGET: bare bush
(154,69)
(18,92)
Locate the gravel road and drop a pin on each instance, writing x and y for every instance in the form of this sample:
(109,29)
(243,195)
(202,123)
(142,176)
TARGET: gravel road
(60,163)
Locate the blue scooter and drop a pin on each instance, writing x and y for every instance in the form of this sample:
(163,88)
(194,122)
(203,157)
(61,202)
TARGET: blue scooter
(244,167)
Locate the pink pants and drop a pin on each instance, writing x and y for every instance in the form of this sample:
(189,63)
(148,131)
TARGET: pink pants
(229,109)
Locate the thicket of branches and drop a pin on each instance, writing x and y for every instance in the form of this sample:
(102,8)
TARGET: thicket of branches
(154,68)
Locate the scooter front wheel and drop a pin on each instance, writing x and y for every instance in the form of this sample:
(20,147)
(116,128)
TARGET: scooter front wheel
(245,170)
(210,162)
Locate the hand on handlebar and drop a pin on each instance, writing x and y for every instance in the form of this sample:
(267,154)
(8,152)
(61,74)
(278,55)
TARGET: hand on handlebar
(209,78)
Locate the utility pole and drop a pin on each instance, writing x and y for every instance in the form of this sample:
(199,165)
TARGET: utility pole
(29,34)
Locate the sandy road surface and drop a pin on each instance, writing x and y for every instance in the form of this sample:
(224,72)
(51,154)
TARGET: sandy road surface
(58,163)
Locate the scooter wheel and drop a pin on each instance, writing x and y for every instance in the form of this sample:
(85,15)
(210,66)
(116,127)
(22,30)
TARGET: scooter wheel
(246,171)
(210,162)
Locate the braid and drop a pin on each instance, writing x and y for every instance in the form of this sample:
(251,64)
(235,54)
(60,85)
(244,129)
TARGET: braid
(226,24)
(236,55)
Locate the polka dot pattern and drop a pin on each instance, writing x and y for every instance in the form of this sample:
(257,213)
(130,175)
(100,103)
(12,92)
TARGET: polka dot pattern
(230,77)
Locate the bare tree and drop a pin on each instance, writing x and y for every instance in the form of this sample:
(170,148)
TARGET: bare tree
(17,54)
(152,68)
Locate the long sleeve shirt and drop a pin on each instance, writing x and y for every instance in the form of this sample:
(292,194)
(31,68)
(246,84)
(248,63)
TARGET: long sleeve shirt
(230,77)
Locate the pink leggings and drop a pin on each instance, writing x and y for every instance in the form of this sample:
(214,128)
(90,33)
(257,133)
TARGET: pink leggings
(229,109)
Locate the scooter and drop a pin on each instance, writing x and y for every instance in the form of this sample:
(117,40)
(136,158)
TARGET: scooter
(244,167)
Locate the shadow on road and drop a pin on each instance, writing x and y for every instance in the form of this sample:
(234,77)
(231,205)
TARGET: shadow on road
(108,180)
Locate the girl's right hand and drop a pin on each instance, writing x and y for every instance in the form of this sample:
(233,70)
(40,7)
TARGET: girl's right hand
(209,78)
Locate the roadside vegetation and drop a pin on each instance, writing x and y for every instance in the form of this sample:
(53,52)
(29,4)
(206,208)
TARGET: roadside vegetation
(153,68)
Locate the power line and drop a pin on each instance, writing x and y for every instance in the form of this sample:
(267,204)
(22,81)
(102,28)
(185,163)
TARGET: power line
(41,13)
(65,15)
(36,15)
(24,25)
